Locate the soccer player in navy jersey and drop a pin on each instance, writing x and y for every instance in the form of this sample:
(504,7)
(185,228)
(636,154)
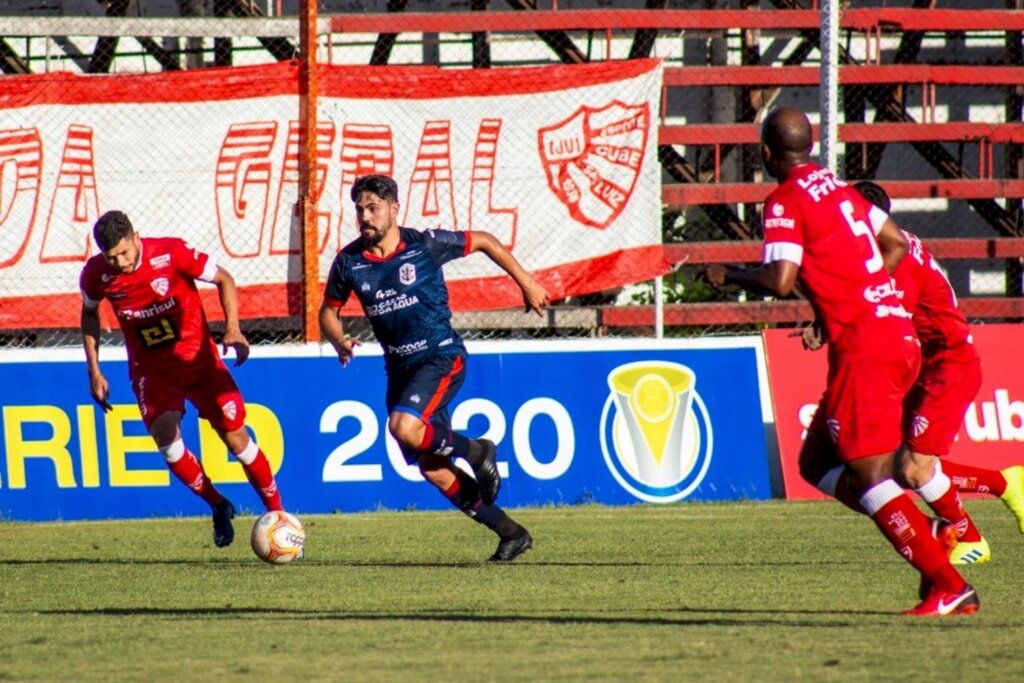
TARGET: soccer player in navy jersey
(396,274)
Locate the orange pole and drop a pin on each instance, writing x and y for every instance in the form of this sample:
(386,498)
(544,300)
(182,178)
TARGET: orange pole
(308,90)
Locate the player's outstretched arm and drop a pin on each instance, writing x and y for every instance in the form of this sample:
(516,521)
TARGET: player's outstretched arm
(777,278)
(535,297)
(98,385)
(332,330)
(233,336)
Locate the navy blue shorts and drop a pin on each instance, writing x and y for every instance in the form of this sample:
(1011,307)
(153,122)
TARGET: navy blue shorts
(425,391)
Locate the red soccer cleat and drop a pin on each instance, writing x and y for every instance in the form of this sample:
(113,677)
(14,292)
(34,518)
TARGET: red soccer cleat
(939,603)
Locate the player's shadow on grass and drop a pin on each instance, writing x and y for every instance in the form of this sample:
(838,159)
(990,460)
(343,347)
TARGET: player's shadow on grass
(412,564)
(688,616)
(95,561)
(529,562)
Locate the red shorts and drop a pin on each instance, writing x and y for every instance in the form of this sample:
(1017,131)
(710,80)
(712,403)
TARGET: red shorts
(208,386)
(934,409)
(863,402)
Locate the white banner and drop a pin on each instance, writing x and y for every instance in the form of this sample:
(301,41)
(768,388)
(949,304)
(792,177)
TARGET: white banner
(559,163)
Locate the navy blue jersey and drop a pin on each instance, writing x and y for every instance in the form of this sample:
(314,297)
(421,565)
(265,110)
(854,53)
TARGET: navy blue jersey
(404,294)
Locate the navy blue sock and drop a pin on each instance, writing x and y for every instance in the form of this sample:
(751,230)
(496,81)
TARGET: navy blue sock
(465,495)
(446,442)
(495,519)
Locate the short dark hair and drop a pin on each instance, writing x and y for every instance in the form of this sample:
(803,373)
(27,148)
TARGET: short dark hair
(874,193)
(383,186)
(111,228)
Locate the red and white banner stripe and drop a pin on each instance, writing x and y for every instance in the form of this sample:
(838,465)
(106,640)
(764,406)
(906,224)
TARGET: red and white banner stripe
(558,162)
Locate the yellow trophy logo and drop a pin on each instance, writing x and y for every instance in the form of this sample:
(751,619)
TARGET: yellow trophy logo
(657,441)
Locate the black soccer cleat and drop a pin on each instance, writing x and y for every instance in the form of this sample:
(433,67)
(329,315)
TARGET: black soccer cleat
(223,529)
(486,472)
(511,548)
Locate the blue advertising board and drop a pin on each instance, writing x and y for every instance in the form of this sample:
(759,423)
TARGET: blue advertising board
(613,422)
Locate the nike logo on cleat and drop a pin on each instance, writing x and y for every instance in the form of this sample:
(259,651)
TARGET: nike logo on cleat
(944,609)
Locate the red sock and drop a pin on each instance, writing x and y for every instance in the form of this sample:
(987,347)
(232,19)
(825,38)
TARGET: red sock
(975,479)
(262,479)
(907,529)
(188,469)
(943,498)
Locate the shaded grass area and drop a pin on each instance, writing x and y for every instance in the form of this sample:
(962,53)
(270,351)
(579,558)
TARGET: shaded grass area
(738,591)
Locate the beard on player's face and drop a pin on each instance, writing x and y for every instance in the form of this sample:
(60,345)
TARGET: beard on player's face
(375,217)
(371,235)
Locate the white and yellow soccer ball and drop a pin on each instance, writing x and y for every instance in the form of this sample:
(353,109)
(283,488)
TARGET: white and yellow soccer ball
(278,537)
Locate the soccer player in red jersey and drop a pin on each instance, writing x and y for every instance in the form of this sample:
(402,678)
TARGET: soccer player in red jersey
(934,409)
(151,285)
(842,249)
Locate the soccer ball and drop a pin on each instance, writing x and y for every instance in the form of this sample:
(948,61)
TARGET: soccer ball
(278,537)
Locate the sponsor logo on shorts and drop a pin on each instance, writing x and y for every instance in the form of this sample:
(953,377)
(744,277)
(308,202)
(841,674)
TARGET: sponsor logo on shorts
(230,410)
(656,434)
(415,398)
(408,349)
(833,428)
(919,425)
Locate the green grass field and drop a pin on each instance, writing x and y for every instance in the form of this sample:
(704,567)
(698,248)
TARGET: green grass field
(725,592)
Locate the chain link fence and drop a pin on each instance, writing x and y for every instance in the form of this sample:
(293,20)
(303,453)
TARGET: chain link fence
(929,108)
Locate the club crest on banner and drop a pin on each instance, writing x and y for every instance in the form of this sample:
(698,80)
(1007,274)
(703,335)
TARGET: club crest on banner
(656,434)
(592,159)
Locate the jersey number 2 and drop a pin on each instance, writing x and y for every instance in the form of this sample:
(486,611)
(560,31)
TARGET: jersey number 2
(862,229)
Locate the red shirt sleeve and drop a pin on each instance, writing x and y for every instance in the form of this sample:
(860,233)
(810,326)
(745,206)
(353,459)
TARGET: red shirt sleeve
(188,260)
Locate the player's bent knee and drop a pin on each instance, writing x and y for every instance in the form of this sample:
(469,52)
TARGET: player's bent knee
(247,453)
(915,470)
(812,466)
(408,431)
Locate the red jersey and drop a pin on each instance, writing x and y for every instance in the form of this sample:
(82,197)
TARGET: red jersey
(157,305)
(928,295)
(818,222)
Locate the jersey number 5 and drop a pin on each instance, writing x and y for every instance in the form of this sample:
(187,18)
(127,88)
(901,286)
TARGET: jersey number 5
(862,229)
(159,333)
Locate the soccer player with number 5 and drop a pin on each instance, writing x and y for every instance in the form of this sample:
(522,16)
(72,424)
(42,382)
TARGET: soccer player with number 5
(150,284)
(933,410)
(843,249)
